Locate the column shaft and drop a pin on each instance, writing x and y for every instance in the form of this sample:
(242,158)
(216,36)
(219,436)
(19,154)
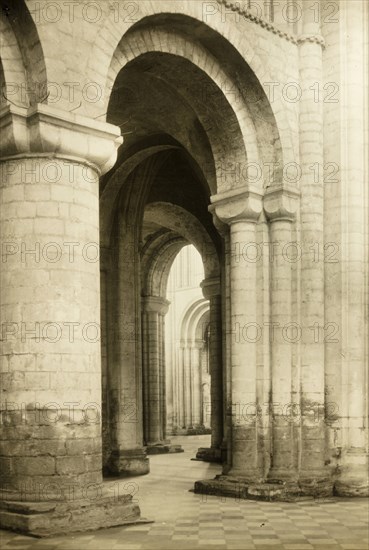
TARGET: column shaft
(312,457)
(154,384)
(50,311)
(154,379)
(163,386)
(243,367)
(125,367)
(187,387)
(282,333)
(50,315)
(216,371)
(196,382)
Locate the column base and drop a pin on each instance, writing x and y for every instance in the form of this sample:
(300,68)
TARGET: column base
(192,430)
(132,462)
(317,483)
(198,430)
(351,487)
(163,448)
(210,454)
(238,488)
(43,519)
(280,475)
(353,477)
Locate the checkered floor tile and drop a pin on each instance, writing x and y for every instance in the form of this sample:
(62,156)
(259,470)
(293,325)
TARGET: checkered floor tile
(183,520)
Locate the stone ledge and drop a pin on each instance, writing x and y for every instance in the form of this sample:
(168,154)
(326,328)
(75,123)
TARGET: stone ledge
(43,519)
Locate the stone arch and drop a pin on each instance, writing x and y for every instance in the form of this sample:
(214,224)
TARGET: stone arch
(231,132)
(226,41)
(202,325)
(156,261)
(181,221)
(112,186)
(24,78)
(243,132)
(191,316)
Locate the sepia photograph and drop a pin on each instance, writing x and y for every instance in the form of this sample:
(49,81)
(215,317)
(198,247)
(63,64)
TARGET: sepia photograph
(184,274)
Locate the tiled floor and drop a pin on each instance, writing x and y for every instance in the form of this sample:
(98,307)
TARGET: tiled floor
(184,520)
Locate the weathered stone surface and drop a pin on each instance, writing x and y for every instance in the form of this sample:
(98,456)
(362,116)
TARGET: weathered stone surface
(272,190)
(55,518)
(163,449)
(240,489)
(210,455)
(129,463)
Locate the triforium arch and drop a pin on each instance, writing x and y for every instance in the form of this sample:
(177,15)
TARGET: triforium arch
(190,150)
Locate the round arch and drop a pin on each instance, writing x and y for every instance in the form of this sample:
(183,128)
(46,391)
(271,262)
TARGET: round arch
(157,258)
(191,317)
(236,115)
(184,223)
(224,42)
(202,326)
(22,69)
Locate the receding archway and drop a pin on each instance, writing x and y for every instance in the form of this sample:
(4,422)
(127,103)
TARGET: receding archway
(182,146)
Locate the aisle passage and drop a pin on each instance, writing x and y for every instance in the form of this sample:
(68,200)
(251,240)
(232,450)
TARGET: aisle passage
(183,520)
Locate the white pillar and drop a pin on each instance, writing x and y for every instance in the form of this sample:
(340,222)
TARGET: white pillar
(211,291)
(280,205)
(314,476)
(241,211)
(50,312)
(154,309)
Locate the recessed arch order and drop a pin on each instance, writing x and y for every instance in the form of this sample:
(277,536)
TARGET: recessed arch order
(243,133)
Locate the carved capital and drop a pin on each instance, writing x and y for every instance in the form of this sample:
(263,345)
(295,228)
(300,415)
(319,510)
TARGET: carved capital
(237,205)
(43,130)
(155,304)
(281,203)
(222,228)
(210,287)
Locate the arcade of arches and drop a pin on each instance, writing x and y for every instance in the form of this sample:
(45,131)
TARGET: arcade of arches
(185,123)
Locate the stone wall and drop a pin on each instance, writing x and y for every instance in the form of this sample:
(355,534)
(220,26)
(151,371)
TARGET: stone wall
(244,135)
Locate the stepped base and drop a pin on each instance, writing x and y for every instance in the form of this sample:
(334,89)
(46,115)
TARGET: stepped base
(44,519)
(209,454)
(237,488)
(198,430)
(195,430)
(124,463)
(160,448)
(352,487)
